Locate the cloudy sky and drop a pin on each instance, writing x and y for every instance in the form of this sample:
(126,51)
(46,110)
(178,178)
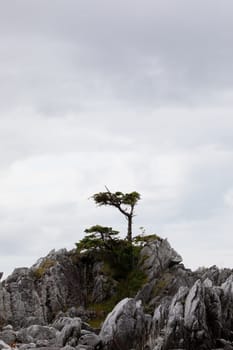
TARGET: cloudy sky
(135,95)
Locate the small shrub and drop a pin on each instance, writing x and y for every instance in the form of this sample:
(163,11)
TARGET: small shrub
(43,268)
(141,240)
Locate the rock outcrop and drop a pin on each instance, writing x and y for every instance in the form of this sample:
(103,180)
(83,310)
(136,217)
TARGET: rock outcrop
(55,283)
(45,306)
(125,327)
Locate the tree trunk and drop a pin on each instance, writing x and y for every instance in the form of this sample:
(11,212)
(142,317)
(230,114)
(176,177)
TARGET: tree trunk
(129,233)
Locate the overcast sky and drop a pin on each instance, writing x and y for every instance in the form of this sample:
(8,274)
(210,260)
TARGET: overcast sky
(135,95)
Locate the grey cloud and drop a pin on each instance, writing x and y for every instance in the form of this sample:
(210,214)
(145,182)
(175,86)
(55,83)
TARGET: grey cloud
(150,55)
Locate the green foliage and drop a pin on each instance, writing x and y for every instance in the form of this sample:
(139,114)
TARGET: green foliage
(120,258)
(43,268)
(116,199)
(89,243)
(127,287)
(103,232)
(100,310)
(122,264)
(143,239)
(124,202)
(98,237)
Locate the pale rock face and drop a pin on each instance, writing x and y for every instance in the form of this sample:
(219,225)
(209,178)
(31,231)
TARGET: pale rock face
(125,326)
(192,307)
(175,323)
(157,256)
(28,298)
(4,346)
(70,333)
(36,295)
(197,318)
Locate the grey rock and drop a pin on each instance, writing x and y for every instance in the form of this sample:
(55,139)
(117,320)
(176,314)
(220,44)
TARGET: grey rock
(228,347)
(158,255)
(104,287)
(41,343)
(195,318)
(27,346)
(36,333)
(36,295)
(4,346)
(48,348)
(61,322)
(191,310)
(226,344)
(84,347)
(68,347)
(70,333)
(86,328)
(124,326)
(8,336)
(90,339)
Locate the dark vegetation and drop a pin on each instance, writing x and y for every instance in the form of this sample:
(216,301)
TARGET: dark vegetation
(120,263)
(120,257)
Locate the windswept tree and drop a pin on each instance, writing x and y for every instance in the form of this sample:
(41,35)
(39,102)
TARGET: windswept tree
(124,202)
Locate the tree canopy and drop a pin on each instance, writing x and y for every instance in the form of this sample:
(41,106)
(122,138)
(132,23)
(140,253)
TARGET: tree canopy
(124,202)
(97,237)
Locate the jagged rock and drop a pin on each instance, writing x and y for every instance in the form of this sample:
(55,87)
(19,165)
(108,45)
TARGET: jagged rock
(175,334)
(56,282)
(61,322)
(191,310)
(158,255)
(36,333)
(84,347)
(145,292)
(213,273)
(36,295)
(8,336)
(68,347)
(90,339)
(70,333)
(104,287)
(125,326)
(27,346)
(195,318)
(42,343)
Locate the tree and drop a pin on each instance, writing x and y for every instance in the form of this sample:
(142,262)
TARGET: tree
(97,237)
(124,202)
